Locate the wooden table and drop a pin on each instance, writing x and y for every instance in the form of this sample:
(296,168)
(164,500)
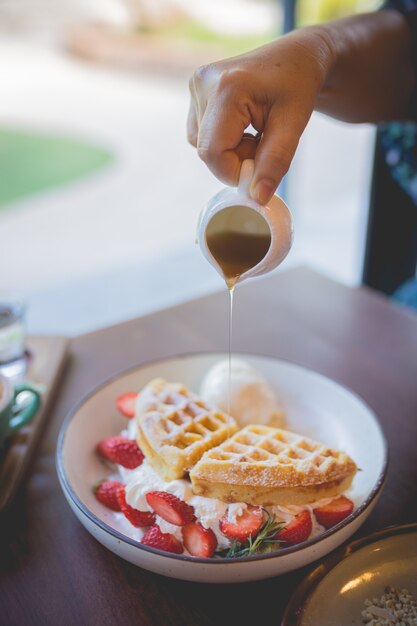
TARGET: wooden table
(55,573)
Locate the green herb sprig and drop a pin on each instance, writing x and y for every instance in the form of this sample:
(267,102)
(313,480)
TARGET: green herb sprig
(264,542)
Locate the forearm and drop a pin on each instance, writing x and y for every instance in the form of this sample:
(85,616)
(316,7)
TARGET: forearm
(369,76)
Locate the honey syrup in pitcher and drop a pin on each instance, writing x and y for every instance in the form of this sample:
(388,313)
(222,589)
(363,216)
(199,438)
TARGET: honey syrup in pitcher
(238,237)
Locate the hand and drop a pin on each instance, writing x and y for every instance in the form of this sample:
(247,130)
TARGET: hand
(274,89)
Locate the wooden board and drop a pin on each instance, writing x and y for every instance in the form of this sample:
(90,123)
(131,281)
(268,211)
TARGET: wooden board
(46,366)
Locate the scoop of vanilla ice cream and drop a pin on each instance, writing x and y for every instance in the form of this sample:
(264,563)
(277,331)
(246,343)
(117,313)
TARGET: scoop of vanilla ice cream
(252,401)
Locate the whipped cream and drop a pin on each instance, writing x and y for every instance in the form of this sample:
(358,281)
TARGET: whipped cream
(208,511)
(252,401)
(144,479)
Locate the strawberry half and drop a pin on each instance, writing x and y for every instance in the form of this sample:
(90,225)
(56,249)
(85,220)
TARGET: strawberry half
(121,450)
(126,404)
(155,538)
(106,493)
(170,508)
(199,541)
(297,530)
(247,525)
(139,519)
(333,513)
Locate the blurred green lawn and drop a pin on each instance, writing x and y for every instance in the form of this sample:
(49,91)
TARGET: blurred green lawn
(34,162)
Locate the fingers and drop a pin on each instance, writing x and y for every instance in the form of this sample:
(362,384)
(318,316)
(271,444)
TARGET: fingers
(192,126)
(220,135)
(192,119)
(223,145)
(247,147)
(217,121)
(221,108)
(274,155)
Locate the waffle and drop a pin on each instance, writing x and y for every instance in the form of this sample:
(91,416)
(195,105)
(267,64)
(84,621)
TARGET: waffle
(175,427)
(267,466)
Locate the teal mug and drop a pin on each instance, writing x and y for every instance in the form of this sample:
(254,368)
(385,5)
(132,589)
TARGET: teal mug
(13,416)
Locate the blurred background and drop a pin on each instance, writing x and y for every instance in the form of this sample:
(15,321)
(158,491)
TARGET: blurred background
(99,190)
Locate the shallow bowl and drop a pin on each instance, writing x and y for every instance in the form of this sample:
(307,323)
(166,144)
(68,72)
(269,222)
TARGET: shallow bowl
(314,405)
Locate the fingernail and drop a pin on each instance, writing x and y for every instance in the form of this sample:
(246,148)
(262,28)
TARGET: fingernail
(263,190)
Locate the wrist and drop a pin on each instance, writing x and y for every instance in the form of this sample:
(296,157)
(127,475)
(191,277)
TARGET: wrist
(320,41)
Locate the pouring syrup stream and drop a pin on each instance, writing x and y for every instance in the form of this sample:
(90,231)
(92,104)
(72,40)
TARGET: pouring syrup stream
(238,238)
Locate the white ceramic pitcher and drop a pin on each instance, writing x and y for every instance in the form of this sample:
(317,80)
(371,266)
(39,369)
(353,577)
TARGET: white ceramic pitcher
(276,215)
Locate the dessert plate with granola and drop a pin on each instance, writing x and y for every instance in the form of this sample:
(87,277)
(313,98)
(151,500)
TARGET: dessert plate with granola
(185,487)
(372,580)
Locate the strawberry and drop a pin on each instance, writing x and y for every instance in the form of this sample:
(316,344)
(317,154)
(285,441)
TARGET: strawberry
(247,525)
(155,538)
(331,514)
(137,518)
(121,450)
(170,508)
(126,404)
(106,493)
(297,530)
(199,541)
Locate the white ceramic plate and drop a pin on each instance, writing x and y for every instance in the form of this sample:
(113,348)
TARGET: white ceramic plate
(314,405)
(334,594)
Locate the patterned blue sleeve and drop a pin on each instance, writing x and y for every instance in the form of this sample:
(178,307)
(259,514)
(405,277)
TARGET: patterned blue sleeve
(409,9)
(405,6)
(399,144)
(399,139)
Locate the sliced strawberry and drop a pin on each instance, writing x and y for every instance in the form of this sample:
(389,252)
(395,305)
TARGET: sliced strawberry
(106,493)
(333,513)
(297,530)
(247,525)
(126,404)
(139,519)
(155,538)
(170,508)
(199,541)
(121,450)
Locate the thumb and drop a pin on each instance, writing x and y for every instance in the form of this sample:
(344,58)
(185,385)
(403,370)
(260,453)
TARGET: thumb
(274,155)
